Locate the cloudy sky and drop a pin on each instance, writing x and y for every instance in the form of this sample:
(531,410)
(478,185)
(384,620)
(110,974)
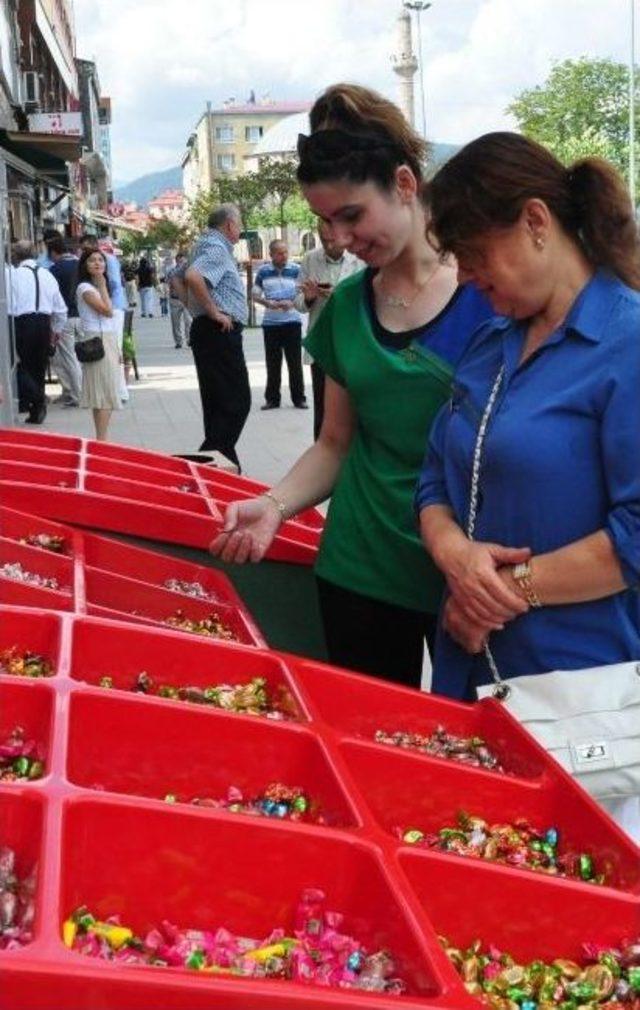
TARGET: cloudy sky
(160,60)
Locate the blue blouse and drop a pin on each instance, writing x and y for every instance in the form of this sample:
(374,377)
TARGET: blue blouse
(561,460)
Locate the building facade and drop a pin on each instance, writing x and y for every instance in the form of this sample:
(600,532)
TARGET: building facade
(225,137)
(168,206)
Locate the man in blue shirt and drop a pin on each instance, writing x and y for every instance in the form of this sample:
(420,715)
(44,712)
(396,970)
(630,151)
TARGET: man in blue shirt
(65,270)
(275,288)
(218,304)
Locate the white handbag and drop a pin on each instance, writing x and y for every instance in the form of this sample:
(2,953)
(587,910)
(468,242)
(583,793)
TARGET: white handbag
(588,720)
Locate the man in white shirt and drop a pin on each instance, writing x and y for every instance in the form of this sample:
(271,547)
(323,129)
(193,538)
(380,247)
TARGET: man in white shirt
(39,313)
(320,271)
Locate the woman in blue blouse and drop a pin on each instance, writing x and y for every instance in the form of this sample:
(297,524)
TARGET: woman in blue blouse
(556,251)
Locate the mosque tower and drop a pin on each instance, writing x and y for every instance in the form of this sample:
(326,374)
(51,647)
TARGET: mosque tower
(405,63)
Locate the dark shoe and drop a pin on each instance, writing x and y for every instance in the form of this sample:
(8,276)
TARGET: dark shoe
(177,346)
(37,415)
(270,406)
(301,406)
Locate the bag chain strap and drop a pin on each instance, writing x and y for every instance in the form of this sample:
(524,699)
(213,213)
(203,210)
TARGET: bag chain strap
(501,690)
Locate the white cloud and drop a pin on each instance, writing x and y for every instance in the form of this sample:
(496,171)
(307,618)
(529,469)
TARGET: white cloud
(161,60)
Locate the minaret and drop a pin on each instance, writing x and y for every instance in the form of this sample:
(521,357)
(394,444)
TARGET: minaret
(405,63)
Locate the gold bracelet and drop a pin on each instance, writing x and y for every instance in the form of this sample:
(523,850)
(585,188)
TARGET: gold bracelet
(280,505)
(523,576)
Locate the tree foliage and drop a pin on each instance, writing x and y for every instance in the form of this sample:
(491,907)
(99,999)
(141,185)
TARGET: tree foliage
(582,109)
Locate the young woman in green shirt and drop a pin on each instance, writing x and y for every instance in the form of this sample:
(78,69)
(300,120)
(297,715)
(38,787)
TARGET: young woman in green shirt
(388,340)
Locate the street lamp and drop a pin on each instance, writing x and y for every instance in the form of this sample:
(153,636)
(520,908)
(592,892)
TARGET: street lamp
(418,6)
(632,107)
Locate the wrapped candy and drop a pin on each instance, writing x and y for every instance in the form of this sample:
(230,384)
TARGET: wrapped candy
(515,844)
(211,626)
(472,750)
(194,589)
(17,908)
(277,800)
(251,698)
(24,664)
(317,952)
(20,759)
(46,541)
(14,570)
(607,979)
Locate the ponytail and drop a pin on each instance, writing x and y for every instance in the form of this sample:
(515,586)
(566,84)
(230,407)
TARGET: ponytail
(604,213)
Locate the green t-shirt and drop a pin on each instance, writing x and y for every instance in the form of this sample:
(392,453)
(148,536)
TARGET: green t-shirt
(370,544)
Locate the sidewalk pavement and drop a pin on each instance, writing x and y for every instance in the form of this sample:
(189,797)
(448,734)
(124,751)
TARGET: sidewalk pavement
(164,412)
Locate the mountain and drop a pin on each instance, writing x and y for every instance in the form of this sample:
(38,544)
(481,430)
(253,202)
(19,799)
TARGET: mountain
(142,190)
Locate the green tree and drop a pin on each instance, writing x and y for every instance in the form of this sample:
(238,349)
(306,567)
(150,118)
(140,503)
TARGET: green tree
(280,184)
(132,244)
(246,191)
(581,109)
(164,233)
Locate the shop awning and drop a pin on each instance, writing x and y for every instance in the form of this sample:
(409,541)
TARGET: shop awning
(47,153)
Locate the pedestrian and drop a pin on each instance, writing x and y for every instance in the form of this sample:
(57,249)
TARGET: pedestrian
(146,286)
(275,288)
(130,284)
(63,254)
(179,313)
(321,270)
(44,259)
(388,340)
(220,311)
(557,251)
(163,295)
(116,294)
(39,315)
(100,379)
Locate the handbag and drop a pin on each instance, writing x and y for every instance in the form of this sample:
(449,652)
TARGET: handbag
(588,720)
(90,349)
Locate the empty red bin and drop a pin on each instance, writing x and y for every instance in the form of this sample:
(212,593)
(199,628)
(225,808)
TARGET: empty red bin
(136,457)
(27,473)
(168,479)
(148,494)
(102,649)
(22,829)
(145,603)
(38,439)
(38,455)
(152,750)
(29,705)
(358,706)
(523,914)
(30,631)
(407,793)
(146,566)
(204,872)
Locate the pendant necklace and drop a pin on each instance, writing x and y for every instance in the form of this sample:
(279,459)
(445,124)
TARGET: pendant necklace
(398,302)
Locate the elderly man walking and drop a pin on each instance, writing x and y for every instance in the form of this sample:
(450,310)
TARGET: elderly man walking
(219,307)
(275,288)
(39,314)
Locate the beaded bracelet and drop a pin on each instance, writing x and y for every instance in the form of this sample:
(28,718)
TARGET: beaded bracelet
(280,505)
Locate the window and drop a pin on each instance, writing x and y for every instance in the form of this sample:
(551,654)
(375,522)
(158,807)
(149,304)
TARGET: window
(224,134)
(226,162)
(252,134)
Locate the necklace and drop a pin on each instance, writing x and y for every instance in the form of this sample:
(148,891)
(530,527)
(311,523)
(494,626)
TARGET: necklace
(398,302)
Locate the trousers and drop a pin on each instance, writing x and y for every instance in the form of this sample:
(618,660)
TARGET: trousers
(180,321)
(283,338)
(66,363)
(374,637)
(33,336)
(223,380)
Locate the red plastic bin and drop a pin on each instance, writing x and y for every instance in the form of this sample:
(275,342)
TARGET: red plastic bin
(33,631)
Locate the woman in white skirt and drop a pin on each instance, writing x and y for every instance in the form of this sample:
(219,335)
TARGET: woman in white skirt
(100,379)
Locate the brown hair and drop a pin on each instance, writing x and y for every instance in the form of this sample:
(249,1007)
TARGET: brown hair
(377,138)
(486,185)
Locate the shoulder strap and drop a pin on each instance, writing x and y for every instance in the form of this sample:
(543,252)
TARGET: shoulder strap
(34,271)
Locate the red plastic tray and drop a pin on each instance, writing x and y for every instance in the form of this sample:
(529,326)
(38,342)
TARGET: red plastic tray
(101,834)
(100,576)
(112,487)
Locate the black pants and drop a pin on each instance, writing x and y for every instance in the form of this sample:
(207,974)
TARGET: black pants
(285,337)
(33,338)
(317,381)
(373,637)
(224,384)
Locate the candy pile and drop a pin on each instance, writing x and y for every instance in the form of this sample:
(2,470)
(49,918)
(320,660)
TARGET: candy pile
(516,844)
(251,698)
(315,952)
(24,664)
(276,800)
(194,589)
(470,750)
(609,979)
(14,570)
(20,758)
(185,488)
(211,626)
(17,909)
(47,541)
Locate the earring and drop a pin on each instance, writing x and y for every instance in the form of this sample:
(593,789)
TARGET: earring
(539,242)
